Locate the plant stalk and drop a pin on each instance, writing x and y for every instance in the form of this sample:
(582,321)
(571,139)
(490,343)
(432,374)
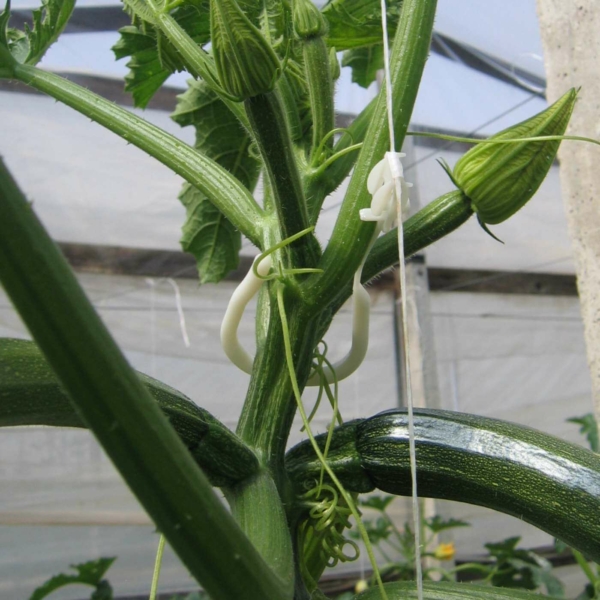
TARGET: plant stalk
(408,57)
(114,403)
(223,190)
(585,567)
(257,508)
(431,223)
(320,91)
(270,407)
(269,126)
(319,185)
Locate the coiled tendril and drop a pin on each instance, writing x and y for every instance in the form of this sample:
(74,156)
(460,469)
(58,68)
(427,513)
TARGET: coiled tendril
(328,516)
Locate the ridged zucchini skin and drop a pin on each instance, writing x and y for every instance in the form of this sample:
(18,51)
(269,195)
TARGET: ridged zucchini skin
(433,222)
(405,590)
(516,470)
(304,468)
(30,394)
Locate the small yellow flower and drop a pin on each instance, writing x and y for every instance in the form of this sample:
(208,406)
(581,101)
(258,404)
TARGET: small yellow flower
(444,551)
(361,586)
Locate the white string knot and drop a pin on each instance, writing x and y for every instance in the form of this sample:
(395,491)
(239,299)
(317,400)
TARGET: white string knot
(382,185)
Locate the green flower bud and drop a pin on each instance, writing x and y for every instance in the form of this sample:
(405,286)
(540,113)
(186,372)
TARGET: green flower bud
(308,20)
(334,64)
(499,179)
(246,64)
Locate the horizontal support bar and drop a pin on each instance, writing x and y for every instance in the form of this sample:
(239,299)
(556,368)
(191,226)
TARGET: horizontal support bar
(170,263)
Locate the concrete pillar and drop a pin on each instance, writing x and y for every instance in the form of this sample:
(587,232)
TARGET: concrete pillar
(571,37)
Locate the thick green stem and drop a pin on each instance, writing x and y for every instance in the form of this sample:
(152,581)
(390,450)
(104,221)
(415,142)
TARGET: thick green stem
(320,91)
(270,406)
(257,507)
(224,190)
(269,125)
(7,63)
(430,224)
(117,407)
(585,567)
(319,185)
(351,236)
(290,104)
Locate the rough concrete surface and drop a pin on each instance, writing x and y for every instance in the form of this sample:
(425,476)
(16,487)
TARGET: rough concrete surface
(572,55)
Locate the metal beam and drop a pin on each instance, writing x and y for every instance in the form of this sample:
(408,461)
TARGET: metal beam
(84,19)
(170,263)
(110,88)
(486,63)
(92,19)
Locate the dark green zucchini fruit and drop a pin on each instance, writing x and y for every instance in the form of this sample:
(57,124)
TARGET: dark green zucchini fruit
(406,590)
(516,470)
(30,394)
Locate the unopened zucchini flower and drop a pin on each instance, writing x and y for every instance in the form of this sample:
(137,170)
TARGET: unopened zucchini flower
(499,179)
(308,20)
(246,64)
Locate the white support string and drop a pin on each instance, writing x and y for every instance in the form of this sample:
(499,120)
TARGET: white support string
(179,305)
(152,285)
(388,77)
(409,403)
(397,176)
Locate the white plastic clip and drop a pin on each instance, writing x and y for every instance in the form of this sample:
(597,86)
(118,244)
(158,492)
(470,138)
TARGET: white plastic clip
(385,182)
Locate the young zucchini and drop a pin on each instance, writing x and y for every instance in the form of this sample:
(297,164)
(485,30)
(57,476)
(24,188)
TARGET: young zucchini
(30,394)
(516,470)
(406,590)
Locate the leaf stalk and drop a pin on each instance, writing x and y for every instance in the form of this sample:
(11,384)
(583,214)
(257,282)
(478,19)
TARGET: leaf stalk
(408,57)
(223,190)
(269,125)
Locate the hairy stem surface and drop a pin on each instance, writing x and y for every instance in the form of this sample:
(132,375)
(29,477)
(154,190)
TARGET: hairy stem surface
(223,190)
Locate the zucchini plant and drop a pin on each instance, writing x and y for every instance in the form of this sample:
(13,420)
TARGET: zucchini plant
(265,73)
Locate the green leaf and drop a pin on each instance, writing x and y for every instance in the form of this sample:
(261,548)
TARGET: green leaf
(560,546)
(207,234)
(437,523)
(589,428)
(141,10)
(146,73)
(30,45)
(152,57)
(377,502)
(378,530)
(554,586)
(89,573)
(504,549)
(522,568)
(357,23)
(364,62)
(533,572)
